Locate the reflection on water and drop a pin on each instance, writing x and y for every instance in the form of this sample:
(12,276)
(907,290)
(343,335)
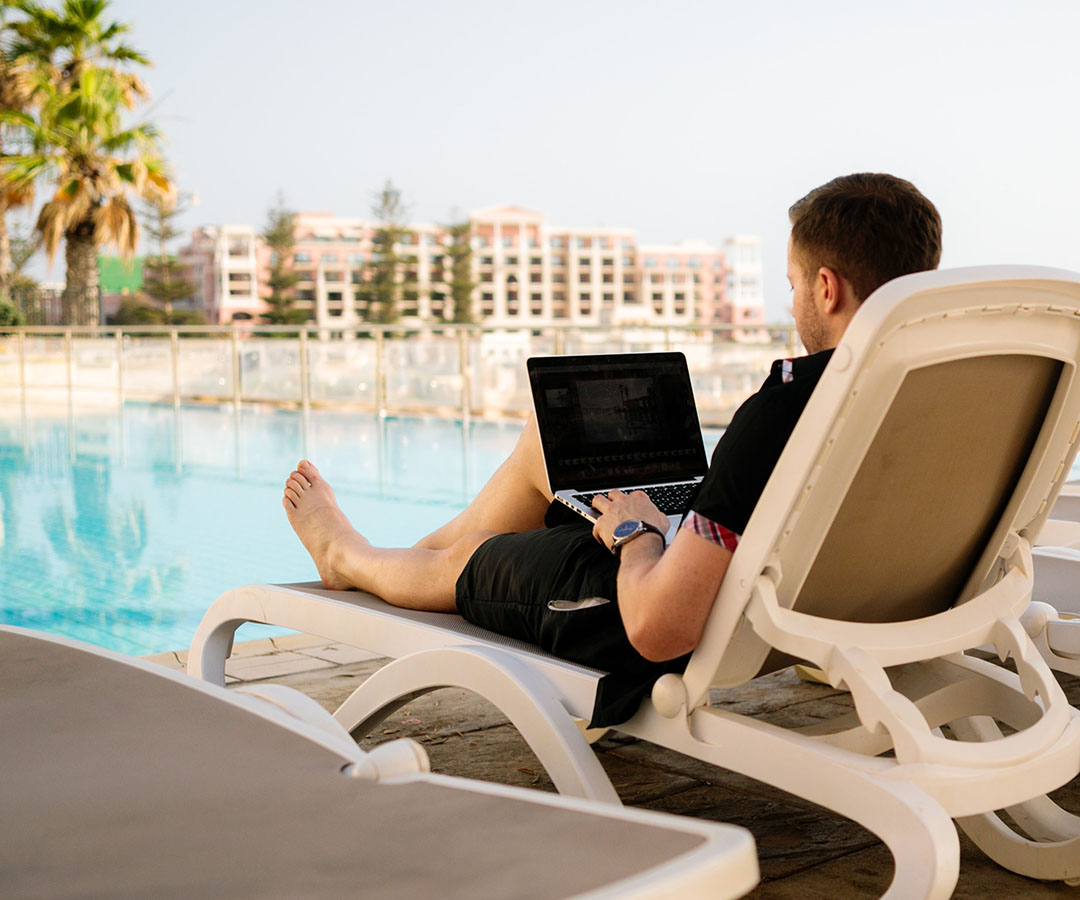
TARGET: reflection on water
(121,529)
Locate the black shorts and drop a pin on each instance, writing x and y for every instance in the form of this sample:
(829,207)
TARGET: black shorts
(556,588)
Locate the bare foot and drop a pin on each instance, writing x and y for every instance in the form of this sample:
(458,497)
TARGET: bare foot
(319,522)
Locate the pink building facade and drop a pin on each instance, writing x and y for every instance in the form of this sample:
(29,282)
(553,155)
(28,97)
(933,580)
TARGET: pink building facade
(527,273)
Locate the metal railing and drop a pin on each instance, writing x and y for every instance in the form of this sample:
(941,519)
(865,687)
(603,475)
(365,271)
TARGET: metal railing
(458,371)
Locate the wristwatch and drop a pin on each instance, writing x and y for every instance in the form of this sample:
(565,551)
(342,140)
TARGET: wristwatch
(629,529)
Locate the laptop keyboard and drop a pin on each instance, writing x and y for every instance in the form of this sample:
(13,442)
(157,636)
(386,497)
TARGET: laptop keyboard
(670,499)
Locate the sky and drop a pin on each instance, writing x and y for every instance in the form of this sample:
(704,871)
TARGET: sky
(680,119)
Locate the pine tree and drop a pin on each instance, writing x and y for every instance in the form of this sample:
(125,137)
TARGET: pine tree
(164,278)
(461,283)
(383,288)
(280,236)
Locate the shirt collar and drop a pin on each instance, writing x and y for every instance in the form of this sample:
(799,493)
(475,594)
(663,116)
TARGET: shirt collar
(788,370)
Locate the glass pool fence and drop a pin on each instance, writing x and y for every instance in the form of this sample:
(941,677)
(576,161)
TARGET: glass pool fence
(454,371)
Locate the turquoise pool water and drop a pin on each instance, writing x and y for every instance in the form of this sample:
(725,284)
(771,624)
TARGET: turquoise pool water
(120,529)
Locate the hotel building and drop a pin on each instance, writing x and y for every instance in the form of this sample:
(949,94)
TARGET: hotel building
(527,273)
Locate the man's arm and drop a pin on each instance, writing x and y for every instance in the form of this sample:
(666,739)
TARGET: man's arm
(664,595)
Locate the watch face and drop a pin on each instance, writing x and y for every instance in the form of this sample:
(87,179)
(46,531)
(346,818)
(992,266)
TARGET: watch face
(625,529)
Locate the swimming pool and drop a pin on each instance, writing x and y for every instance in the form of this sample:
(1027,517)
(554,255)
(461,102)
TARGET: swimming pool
(121,528)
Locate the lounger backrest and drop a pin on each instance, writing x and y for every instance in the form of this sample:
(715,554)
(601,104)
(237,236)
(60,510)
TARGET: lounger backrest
(945,421)
(931,490)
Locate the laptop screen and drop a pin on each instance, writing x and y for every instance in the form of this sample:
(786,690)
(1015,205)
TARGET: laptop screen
(618,419)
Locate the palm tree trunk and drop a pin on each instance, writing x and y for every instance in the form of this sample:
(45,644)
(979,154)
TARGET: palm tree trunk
(5,251)
(80,297)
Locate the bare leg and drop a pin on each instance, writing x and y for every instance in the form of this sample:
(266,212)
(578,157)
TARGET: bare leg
(416,578)
(515,498)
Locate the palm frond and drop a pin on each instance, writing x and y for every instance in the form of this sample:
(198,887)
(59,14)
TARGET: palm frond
(51,224)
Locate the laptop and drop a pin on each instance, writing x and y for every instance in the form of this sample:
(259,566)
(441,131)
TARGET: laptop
(621,420)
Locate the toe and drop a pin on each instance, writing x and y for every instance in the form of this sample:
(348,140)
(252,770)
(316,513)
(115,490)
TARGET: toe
(308,470)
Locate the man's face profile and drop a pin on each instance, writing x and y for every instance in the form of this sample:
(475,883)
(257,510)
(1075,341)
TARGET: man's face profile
(808,318)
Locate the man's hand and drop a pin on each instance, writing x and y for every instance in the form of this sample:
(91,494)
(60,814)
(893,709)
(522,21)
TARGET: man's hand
(617,507)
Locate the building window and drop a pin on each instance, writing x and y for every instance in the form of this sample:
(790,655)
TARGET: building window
(584,261)
(558,278)
(581,243)
(430,240)
(694,262)
(680,297)
(356,259)
(558,260)
(628,260)
(536,260)
(626,244)
(305,275)
(650,262)
(507,241)
(672,262)
(485,276)
(603,243)
(585,278)
(629,297)
(487,260)
(609,298)
(608,278)
(407,238)
(536,277)
(656,278)
(677,278)
(328,257)
(305,294)
(607,261)
(301,257)
(658,298)
(511,260)
(334,276)
(557,242)
(629,278)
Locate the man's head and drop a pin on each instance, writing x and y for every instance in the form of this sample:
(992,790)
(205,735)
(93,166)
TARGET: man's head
(849,237)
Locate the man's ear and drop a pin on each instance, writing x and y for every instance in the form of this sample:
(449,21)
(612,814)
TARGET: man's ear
(833,289)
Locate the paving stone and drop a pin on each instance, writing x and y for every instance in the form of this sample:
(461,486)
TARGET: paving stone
(866,874)
(253,648)
(644,753)
(495,754)
(789,837)
(339,654)
(769,693)
(255,668)
(639,785)
(298,641)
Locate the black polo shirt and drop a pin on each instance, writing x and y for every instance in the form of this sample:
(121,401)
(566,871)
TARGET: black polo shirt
(556,587)
(749,449)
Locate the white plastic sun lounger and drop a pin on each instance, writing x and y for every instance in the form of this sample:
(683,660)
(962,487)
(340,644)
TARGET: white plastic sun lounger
(894,535)
(121,779)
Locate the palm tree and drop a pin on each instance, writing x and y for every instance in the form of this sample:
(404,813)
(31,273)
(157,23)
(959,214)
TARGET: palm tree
(15,94)
(79,141)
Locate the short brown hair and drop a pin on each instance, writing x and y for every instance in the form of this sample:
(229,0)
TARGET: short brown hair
(868,228)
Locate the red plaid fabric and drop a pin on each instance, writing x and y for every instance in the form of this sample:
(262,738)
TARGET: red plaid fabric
(709,530)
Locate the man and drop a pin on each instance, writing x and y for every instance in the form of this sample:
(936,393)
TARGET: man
(517,564)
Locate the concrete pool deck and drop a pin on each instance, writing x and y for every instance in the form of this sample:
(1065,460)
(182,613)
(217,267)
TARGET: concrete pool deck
(805,851)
